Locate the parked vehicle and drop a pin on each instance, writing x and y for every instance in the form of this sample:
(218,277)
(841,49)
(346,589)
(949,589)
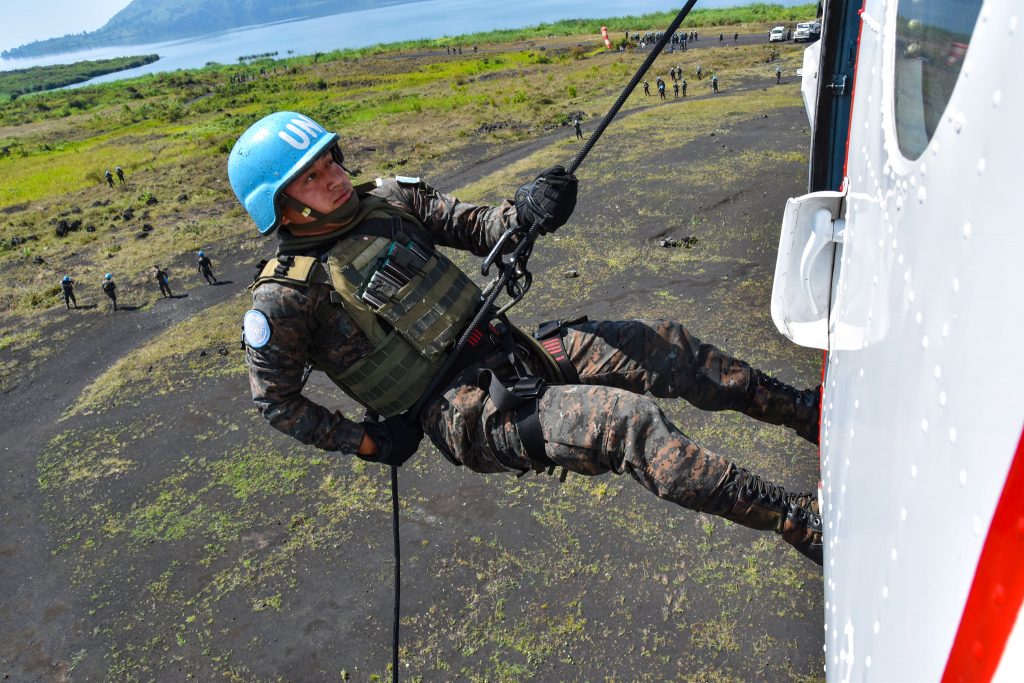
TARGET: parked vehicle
(777,35)
(802,33)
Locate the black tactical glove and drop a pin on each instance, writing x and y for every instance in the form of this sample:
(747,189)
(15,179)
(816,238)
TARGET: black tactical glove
(547,200)
(396,437)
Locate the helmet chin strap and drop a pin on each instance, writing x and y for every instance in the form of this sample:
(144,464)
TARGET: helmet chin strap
(339,216)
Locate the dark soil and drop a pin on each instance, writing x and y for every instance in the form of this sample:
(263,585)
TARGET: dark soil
(503,579)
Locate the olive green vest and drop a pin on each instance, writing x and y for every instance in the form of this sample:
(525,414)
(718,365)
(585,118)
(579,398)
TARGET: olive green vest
(410,301)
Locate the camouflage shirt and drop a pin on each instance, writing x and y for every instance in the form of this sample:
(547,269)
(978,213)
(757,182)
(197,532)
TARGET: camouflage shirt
(298,337)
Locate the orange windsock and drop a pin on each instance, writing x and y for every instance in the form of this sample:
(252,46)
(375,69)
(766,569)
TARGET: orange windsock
(607,40)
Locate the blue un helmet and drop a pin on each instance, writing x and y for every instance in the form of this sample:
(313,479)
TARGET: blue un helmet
(66,278)
(201,254)
(108,276)
(268,156)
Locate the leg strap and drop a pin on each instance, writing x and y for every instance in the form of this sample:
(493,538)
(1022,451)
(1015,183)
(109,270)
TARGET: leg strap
(549,334)
(522,398)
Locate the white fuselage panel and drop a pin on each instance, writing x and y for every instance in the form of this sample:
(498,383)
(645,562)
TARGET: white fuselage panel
(923,402)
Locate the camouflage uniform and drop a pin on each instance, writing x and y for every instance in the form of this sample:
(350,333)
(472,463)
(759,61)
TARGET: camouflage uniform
(604,423)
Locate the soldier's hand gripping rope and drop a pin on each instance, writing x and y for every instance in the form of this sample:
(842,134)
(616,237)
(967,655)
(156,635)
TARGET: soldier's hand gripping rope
(513,270)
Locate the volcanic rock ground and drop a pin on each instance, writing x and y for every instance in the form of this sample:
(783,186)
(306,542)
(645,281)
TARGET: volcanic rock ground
(188,540)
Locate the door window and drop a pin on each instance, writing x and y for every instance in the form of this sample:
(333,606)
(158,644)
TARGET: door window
(931,41)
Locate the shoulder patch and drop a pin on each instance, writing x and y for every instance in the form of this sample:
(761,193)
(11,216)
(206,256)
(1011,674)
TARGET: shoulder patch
(407,180)
(256,329)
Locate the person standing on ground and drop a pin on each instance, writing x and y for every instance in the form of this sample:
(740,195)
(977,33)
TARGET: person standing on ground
(109,176)
(683,84)
(661,87)
(675,90)
(700,72)
(579,130)
(67,286)
(714,82)
(110,289)
(162,280)
(778,75)
(647,89)
(358,268)
(205,268)
(120,173)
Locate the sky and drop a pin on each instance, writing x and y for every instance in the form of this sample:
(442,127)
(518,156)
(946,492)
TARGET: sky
(24,21)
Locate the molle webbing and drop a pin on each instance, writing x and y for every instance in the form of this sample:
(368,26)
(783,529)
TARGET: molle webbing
(410,301)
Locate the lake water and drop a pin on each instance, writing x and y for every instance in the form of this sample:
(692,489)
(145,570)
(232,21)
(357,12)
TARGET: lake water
(426,19)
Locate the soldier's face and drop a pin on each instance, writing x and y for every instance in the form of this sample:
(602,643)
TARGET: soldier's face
(323,187)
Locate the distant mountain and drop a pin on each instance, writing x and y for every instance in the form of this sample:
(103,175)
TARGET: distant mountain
(153,21)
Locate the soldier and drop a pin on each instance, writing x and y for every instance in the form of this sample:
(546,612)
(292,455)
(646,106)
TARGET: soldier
(647,88)
(205,268)
(360,291)
(110,289)
(714,82)
(109,176)
(120,173)
(736,37)
(675,90)
(700,72)
(683,84)
(161,280)
(661,87)
(67,286)
(579,131)
(778,75)
(721,38)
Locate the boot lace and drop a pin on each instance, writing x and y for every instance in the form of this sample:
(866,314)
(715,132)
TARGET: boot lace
(759,489)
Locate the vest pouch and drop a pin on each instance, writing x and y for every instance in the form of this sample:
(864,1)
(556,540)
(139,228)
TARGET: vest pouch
(433,311)
(390,378)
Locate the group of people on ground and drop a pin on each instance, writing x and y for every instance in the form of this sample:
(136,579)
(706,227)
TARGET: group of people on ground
(679,83)
(110,176)
(204,267)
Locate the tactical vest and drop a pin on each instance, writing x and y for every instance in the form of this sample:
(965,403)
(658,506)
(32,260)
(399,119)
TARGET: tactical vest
(410,301)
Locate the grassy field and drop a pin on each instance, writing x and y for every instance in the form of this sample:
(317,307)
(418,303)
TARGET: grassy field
(396,111)
(18,82)
(192,541)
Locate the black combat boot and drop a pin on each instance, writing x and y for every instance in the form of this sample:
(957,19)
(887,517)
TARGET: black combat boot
(759,504)
(777,403)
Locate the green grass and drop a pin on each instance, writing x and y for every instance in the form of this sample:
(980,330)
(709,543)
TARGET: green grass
(17,82)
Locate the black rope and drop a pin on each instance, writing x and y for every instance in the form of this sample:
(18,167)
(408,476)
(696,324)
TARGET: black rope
(486,309)
(398,573)
(655,51)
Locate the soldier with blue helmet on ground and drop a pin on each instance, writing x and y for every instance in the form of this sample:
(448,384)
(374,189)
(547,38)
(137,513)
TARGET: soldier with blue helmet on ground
(67,286)
(360,291)
(205,268)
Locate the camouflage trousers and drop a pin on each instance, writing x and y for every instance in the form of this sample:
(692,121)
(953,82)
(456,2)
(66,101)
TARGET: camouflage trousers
(607,422)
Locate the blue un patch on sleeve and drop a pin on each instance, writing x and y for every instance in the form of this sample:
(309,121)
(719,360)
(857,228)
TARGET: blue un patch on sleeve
(256,329)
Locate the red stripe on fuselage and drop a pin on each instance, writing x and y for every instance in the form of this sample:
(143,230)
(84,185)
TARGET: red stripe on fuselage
(998,588)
